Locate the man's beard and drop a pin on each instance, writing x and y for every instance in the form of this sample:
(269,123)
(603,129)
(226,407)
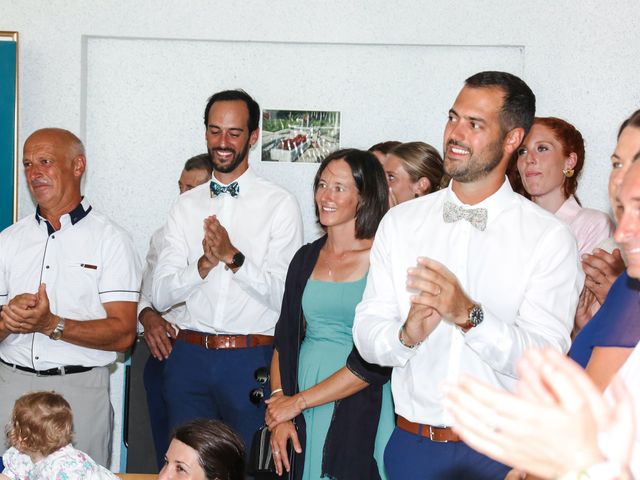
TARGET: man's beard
(478,166)
(237,159)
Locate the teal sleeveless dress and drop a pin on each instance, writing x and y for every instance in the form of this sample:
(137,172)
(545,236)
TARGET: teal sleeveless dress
(329,309)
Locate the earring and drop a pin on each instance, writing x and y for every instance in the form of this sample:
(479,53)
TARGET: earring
(568,172)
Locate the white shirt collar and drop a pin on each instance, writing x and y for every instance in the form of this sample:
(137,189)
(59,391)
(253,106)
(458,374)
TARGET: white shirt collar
(70,218)
(494,204)
(244,181)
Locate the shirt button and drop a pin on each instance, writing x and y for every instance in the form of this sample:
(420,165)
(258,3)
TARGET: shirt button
(53,236)
(47,266)
(37,358)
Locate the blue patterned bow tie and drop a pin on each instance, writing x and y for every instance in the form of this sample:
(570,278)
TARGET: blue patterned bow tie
(232,189)
(475,216)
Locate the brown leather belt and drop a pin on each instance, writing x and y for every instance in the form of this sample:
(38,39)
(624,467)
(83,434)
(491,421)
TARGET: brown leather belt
(215,342)
(435,434)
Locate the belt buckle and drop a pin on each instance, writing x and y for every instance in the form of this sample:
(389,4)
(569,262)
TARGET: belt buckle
(206,342)
(431,435)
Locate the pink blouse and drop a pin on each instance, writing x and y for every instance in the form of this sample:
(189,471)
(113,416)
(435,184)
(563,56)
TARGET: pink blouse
(589,226)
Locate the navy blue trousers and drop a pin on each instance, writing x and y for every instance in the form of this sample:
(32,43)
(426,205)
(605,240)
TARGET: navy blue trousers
(412,457)
(158,413)
(201,383)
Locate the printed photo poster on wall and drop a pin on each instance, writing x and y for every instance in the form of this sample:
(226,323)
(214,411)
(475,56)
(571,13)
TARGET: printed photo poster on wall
(8,128)
(304,136)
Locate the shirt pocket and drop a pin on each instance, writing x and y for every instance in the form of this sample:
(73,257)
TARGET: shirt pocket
(80,280)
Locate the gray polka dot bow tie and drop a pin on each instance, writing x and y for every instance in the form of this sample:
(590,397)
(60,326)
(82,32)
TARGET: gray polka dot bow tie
(232,189)
(475,216)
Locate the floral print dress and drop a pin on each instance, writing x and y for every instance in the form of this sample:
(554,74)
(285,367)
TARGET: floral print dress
(66,463)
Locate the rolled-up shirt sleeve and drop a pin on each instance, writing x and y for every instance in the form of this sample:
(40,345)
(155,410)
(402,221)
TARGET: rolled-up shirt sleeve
(175,277)
(146,293)
(377,322)
(545,316)
(266,283)
(4,283)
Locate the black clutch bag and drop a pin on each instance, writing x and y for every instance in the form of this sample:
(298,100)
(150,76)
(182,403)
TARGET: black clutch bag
(261,463)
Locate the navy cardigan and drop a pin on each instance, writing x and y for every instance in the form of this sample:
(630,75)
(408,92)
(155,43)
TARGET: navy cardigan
(348,448)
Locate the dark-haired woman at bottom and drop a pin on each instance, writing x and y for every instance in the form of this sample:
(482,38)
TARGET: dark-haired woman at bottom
(204,450)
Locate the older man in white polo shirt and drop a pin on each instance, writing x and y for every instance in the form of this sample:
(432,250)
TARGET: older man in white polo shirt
(69,286)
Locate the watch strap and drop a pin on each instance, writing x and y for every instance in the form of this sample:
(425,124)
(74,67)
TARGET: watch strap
(57,332)
(236,262)
(474,318)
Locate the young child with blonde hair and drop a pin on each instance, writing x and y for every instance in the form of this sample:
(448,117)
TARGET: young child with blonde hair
(39,437)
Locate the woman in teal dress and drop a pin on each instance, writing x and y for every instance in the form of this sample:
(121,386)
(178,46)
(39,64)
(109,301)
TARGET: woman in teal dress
(342,406)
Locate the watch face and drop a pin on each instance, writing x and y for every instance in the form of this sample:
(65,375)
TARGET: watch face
(57,332)
(238,259)
(476,315)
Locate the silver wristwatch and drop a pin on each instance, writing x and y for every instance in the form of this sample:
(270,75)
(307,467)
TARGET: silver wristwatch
(475,317)
(57,332)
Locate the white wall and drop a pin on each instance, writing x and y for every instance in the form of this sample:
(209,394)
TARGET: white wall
(142,153)
(580,58)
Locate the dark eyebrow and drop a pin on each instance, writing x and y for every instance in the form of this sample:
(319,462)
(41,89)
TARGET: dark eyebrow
(476,119)
(469,118)
(234,129)
(636,157)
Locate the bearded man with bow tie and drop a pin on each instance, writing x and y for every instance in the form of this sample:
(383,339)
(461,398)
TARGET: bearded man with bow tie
(228,246)
(462,281)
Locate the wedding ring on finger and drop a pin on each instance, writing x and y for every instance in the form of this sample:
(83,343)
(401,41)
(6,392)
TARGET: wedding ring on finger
(277,452)
(438,292)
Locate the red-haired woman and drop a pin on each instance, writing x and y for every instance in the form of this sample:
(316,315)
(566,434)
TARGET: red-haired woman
(549,162)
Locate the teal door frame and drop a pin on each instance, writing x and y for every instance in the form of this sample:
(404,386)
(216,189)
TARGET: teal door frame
(8,128)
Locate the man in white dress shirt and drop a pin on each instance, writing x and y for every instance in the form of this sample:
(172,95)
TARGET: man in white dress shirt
(228,247)
(156,347)
(69,286)
(463,280)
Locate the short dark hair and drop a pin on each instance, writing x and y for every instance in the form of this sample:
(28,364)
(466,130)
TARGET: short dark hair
(384,147)
(372,187)
(231,95)
(632,121)
(220,450)
(519,106)
(199,162)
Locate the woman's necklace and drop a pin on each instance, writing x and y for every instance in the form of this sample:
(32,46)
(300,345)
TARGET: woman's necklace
(339,259)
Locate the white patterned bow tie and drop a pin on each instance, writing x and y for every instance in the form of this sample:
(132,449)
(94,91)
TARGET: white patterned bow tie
(475,216)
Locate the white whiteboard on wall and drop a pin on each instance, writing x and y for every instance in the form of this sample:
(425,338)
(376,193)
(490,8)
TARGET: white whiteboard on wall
(145,98)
